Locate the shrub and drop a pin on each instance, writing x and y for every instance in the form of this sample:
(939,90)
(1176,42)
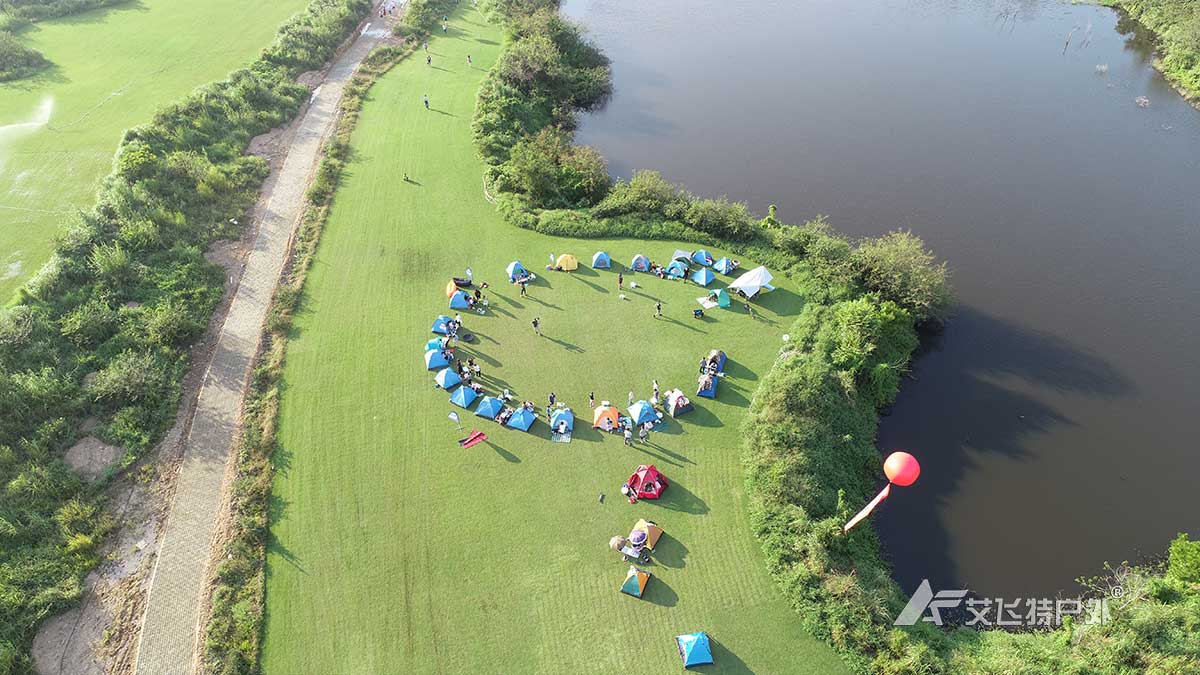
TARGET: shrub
(552,172)
(1184,560)
(901,269)
(17,60)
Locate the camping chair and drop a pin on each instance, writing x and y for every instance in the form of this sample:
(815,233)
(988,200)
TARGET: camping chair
(697,314)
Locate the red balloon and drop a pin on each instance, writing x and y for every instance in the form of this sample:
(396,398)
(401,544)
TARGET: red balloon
(901,468)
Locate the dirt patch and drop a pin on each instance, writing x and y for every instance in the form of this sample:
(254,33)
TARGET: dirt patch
(91,457)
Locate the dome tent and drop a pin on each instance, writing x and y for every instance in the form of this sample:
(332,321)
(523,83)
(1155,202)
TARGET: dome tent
(439,325)
(703,276)
(460,300)
(447,379)
(642,412)
(463,397)
(515,270)
(635,582)
(724,266)
(694,649)
(489,407)
(562,415)
(567,262)
(702,257)
(601,261)
(434,360)
(605,412)
(522,419)
(640,263)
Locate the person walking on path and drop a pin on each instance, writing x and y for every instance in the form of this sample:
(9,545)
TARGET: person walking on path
(427,101)
(537,326)
(592,399)
(658,310)
(620,281)
(630,397)
(628,437)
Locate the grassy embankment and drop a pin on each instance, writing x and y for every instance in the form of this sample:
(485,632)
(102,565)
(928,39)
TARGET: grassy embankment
(112,69)
(422,556)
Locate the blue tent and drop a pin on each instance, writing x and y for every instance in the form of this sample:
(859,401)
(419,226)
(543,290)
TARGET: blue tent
(642,412)
(694,649)
(459,300)
(489,407)
(703,276)
(711,391)
(703,257)
(640,263)
(435,343)
(447,379)
(463,397)
(522,419)
(677,269)
(601,260)
(724,266)
(439,324)
(434,359)
(563,415)
(515,269)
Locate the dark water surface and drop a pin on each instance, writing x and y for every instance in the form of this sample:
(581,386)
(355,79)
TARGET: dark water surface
(1056,417)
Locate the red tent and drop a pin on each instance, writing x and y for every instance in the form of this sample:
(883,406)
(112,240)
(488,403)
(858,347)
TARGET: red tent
(647,482)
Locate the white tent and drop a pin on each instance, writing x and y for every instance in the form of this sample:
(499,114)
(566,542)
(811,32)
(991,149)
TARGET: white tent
(682,255)
(750,283)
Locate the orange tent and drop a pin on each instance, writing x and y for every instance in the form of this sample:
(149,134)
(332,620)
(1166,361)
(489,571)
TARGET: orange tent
(451,289)
(602,413)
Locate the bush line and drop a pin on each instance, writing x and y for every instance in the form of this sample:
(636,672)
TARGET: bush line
(1176,28)
(105,329)
(809,451)
(233,634)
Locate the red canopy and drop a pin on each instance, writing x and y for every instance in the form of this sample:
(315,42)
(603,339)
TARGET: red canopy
(647,482)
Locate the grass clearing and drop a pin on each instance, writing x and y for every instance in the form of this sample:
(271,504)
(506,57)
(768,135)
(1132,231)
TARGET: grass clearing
(395,550)
(112,69)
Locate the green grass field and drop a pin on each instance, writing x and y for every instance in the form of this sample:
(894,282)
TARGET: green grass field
(393,549)
(113,69)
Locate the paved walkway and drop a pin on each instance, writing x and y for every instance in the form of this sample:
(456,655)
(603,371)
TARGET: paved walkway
(170,628)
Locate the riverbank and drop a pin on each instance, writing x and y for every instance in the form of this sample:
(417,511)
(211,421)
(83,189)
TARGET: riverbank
(1176,26)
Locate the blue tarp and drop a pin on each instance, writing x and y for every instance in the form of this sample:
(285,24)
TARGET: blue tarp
(562,415)
(515,269)
(642,412)
(677,269)
(694,649)
(439,324)
(703,257)
(724,266)
(703,276)
(522,419)
(640,263)
(463,397)
(489,407)
(459,300)
(435,360)
(601,260)
(447,379)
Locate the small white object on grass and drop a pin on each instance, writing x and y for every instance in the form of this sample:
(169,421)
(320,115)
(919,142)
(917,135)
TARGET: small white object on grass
(622,296)
(786,337)
(633,284)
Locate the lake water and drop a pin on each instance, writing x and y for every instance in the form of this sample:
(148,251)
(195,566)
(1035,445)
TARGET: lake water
(1054,418)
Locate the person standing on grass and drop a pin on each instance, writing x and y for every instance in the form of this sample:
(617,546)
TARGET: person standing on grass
(524,290)
(658,310)
(644,435)
(628,437)
(620,281)
(428,60)
(469,60)
(592,399)
(630,397)
(458,318)
(427,101)
(478,369)
(537,326)
(749,309)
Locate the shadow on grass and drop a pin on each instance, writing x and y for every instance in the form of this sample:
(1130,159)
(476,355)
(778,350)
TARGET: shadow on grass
(549,305)
(670,552)
(690,327)
(443,112)
(735,369)
(509,300)
(571,347)
(678,498)
(660,593)
(276,507)
(702,417)
(724,661)
(594,285)
(508,456)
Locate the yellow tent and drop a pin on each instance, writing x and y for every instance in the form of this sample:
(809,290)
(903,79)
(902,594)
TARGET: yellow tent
(652,530)
(567,262)
(451,289)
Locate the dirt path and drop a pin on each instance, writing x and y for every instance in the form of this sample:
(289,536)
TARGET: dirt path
(170,626)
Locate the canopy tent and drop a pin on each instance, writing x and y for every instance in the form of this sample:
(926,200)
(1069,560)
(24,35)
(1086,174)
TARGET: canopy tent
(439,325)
(460,300)
(635,582)
(567,262)
(447,379)
(516,270)
(694,649)
(682,255)
(560,416)
(750,283)
(463,397)
(646,482)
(702,257)
(435,343)
(678,403)
(522,419)
(451,288)
(649,532)
(601,260)
(706,386)
(605,412)
(677,269)
(434,359)
(489,407)
(703,276)
(640,263)
(724,266)
(642,412)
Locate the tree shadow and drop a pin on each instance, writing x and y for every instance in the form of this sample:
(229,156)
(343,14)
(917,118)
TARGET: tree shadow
(954,408)
(486,41)
(276,507)
(678,498)
(700,416)
(508,456)
(660,593)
